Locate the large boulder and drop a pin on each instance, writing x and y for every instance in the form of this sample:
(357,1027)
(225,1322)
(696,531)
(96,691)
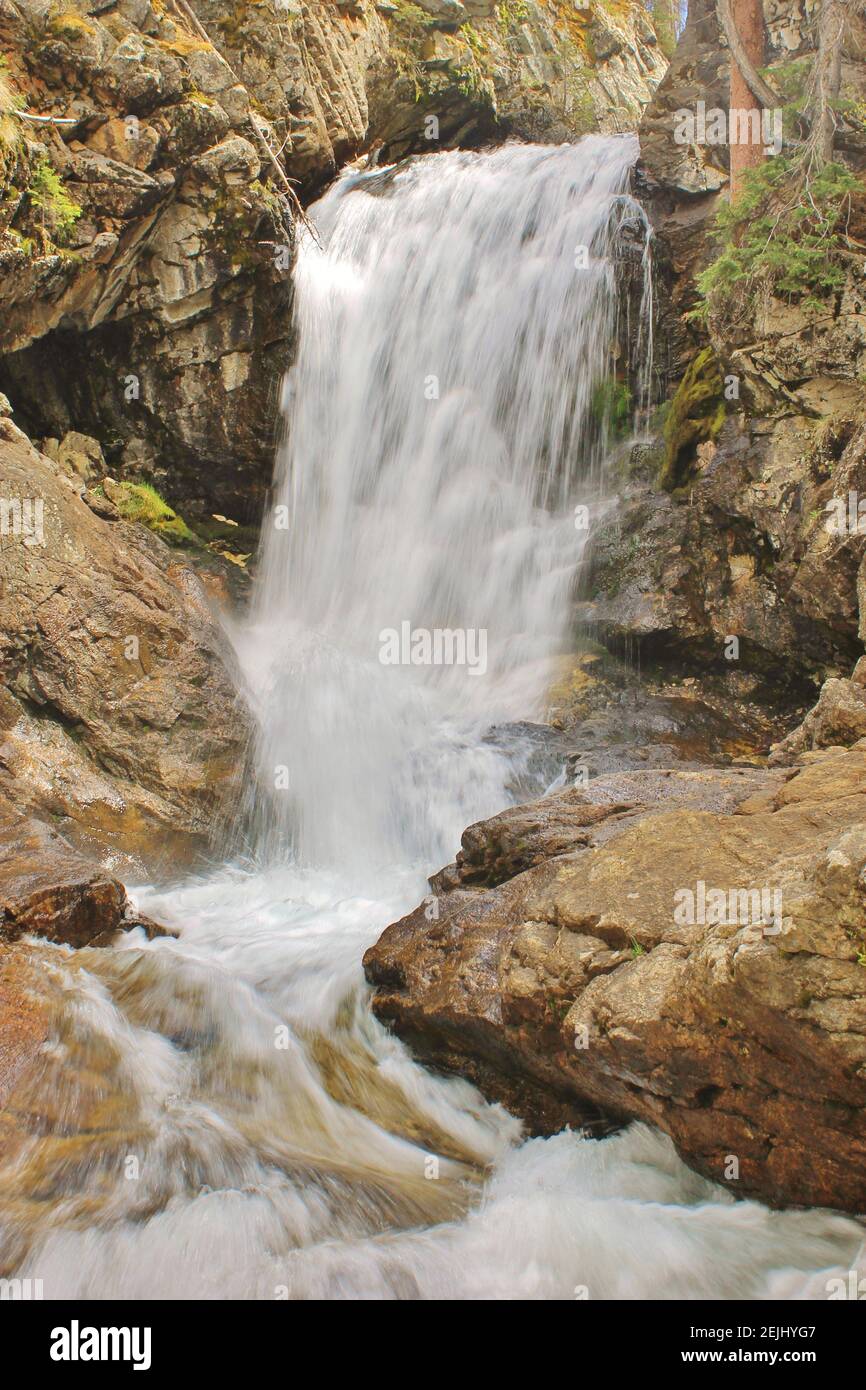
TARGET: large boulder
(613,981)
(837,720)
(119,720)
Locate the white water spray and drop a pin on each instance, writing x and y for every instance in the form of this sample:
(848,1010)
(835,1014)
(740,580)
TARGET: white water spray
(231,1122)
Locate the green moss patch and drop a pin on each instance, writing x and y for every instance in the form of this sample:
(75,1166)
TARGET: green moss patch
(141,502)
(612,407)
(70,25)
(696,414)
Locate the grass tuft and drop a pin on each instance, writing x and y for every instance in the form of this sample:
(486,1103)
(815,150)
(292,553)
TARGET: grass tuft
(142,503)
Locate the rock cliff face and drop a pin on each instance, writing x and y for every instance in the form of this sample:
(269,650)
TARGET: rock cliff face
(157,319)
(745,553)
(726,525)
(119,719)
(147,243)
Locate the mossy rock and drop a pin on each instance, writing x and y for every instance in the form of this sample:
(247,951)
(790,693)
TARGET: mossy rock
(141,502)
(70,25)
(696,414)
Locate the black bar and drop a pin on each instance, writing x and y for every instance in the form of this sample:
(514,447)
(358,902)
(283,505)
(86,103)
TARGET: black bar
(203,1337)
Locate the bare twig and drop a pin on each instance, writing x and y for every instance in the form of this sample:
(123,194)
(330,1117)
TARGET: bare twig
(45,120)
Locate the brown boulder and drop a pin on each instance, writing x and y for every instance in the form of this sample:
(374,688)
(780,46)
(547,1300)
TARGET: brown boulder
(48,889)
(596,983)
(837,720)
(495,850)
(118,713)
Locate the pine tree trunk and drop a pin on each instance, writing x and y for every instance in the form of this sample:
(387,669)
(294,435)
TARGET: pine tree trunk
(748,18)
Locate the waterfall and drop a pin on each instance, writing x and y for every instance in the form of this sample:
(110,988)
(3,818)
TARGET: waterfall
(231,1120)
(454,328)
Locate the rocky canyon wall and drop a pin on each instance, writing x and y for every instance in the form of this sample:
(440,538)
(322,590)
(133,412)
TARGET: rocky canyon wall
(146,243)
(723,529)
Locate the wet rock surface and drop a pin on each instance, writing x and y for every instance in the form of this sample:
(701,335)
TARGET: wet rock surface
(610,714)
(593,979)
(24,1023)
(749,550)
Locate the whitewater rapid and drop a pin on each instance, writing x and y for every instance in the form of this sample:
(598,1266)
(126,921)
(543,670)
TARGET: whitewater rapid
(336,1168)
(231,1120)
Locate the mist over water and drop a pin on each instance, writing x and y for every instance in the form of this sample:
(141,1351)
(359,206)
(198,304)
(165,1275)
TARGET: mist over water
(285,1145)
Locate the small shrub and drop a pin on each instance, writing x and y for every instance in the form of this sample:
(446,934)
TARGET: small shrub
(790,247)
(612,406)
(510,14)
(59,213)
(25,244)
(410,26)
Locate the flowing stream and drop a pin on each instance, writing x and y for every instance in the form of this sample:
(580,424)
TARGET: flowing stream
(229,1120)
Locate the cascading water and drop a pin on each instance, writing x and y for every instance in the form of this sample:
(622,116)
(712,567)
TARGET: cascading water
(241,1126)
(454,331)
